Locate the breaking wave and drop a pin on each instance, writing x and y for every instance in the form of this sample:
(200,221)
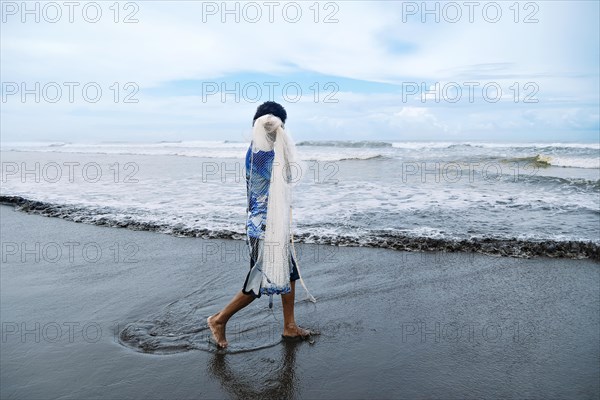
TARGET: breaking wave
(510,247)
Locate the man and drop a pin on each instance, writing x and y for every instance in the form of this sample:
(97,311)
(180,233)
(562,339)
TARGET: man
(270,151)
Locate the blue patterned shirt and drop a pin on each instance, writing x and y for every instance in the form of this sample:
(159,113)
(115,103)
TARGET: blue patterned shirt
(257,188)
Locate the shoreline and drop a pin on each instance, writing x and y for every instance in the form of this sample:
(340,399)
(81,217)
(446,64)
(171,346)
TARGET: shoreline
(513,247)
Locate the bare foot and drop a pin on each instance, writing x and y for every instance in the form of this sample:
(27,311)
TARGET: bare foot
(293,330)
(218,331)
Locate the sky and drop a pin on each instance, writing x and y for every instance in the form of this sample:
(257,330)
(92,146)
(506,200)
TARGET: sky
(148,71)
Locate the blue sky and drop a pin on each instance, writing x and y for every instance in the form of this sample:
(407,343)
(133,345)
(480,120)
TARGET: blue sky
(370,73)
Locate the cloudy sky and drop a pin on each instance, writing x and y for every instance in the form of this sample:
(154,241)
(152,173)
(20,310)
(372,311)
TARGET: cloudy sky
(358,70)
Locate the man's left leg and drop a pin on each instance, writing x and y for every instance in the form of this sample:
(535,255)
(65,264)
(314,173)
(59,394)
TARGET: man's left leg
(289,323)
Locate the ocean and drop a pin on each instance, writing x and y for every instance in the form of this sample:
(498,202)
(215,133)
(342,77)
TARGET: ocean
(511,199)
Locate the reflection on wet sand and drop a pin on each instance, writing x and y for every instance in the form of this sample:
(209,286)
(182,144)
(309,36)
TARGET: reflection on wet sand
(271,379)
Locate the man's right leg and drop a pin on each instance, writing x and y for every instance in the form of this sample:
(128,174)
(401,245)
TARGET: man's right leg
(217,322)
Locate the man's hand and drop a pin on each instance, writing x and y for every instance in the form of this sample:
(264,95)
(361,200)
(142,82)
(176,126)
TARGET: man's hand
(270,122)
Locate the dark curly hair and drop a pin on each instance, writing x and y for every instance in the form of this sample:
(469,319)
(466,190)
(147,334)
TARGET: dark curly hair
(270,107)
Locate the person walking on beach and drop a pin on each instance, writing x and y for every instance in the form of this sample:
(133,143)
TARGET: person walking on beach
(273,269)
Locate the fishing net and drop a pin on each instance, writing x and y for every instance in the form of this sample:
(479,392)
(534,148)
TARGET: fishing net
(272,169)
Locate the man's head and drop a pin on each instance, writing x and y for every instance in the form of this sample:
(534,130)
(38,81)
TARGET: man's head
(270,107)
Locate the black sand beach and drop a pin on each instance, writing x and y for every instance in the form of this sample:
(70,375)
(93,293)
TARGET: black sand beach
(93,312)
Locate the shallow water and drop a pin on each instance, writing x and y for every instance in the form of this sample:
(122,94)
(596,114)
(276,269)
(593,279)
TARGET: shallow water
(181,326)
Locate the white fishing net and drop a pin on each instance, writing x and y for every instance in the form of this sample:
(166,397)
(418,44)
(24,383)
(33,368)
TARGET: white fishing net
(273,170)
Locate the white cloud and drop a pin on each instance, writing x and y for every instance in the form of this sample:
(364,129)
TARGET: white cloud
(172,43)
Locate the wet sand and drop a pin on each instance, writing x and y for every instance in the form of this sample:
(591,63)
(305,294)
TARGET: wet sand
(94,312)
